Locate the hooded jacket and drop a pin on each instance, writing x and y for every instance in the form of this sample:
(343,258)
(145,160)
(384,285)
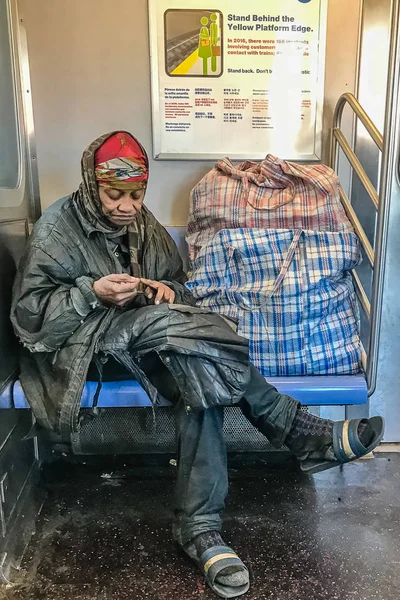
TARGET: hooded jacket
(62,326)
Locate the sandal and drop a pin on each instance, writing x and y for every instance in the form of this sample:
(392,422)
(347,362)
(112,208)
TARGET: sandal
(346,446)
(217,559)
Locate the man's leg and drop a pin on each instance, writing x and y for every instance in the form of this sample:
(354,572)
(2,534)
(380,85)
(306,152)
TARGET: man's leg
(201,487)
(280,419)
(269,411)
(202,479)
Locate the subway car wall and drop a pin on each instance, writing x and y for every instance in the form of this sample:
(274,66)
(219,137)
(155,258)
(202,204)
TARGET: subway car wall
(91,74)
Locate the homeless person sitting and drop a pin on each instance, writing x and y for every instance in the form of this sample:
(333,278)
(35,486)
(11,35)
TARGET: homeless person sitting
(101,286)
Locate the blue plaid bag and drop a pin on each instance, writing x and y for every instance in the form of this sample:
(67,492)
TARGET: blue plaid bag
(291,294)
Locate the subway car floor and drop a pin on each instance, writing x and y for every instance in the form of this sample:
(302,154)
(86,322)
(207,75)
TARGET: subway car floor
(104,533)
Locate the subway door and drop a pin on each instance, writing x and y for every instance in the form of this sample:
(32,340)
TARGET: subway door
(18,210)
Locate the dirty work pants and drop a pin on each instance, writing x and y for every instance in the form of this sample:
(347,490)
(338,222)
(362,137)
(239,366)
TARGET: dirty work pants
(202,478)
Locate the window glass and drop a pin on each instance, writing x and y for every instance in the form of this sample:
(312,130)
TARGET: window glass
(9,135)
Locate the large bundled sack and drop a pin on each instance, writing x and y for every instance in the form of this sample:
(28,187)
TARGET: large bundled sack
(291,293)
(273,194)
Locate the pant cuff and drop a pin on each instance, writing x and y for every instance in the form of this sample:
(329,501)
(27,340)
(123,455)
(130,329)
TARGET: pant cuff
(276,425)
(184,530)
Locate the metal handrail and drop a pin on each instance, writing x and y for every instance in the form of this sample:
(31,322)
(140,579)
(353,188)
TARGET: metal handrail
(362,296)
(357,166)
(358,228)
(369,125)
(387,145)
(338,140)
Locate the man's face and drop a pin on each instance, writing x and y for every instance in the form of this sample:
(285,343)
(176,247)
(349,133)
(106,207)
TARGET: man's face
(120,206)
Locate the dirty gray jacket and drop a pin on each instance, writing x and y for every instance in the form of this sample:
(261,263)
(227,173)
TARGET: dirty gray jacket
(62,326)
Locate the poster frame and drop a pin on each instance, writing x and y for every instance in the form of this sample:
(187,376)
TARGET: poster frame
(156,108)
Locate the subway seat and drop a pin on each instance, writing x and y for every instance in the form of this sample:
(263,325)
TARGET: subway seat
(329,390)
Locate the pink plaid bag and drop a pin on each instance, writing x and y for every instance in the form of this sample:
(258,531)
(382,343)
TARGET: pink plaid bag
(273,194)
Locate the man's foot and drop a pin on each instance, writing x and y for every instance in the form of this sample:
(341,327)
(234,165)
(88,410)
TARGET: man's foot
(311,434)
(320,443)
(224,571)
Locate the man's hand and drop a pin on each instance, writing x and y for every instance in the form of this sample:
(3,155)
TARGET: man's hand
(160,291)
(116,289)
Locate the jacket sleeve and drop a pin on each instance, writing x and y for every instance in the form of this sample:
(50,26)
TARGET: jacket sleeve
(48,306)
(170,267)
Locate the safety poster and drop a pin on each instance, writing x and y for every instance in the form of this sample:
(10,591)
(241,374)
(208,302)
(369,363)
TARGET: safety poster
(238,78)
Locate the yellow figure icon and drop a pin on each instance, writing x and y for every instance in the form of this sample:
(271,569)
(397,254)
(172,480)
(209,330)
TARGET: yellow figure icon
(204,44)
(214,37)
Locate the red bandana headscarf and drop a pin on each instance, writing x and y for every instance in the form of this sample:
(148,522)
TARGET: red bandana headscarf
(121,163)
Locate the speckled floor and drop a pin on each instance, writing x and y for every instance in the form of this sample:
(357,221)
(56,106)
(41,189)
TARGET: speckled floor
(104,534)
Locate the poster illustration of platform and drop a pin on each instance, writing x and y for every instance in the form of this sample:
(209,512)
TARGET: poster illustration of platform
(239,79)
(193,41)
